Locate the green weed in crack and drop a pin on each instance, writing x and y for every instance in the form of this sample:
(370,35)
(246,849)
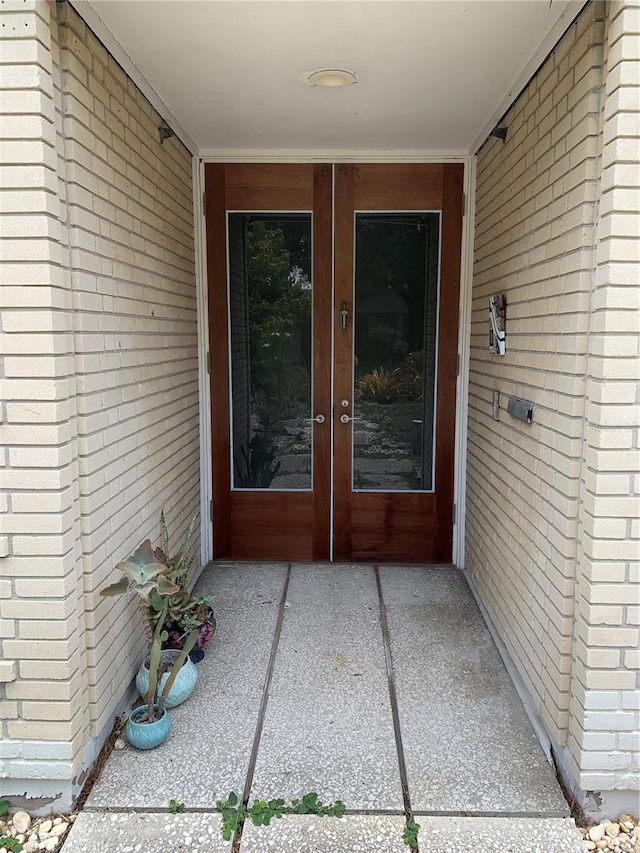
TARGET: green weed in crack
(261,812)
(410,834)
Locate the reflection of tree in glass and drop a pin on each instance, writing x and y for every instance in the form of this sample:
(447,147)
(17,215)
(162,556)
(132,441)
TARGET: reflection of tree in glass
(278,306)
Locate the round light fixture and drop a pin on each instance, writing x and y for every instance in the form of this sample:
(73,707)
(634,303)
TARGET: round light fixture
(331,78)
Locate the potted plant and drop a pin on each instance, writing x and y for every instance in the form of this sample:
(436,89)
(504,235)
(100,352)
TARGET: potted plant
(186,612)
(149,725)
(145,576)
(184,680)
(150,579)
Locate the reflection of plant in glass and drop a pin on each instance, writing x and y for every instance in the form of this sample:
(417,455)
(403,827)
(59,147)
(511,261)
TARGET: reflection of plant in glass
(255,469)
(383,385)
(379,386)
(411,382)
(277,307)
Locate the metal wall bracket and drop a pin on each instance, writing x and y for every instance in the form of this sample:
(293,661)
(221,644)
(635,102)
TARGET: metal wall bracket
(521,409)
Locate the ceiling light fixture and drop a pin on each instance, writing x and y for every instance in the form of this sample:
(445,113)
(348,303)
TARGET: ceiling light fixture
(330,78)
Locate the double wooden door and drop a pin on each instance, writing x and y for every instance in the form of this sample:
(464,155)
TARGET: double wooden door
(333,309)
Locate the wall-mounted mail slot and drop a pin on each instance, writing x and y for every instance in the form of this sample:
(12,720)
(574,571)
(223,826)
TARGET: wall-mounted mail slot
(521,409)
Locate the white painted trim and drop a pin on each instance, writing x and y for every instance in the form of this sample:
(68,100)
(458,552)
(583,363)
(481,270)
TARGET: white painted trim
(204,383)
(566,19)
(93,20)
(305,155)
(464,354)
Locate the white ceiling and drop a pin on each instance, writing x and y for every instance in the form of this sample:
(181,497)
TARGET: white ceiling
(432,74)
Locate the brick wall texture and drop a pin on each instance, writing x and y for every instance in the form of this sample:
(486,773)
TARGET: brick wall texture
(553,538)
(99,396)
(98,373)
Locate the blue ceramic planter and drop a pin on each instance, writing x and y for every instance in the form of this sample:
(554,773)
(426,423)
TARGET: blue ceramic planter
(182,687)
(147,735)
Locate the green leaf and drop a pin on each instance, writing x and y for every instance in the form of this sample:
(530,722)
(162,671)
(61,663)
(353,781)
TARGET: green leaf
(165,586)
(157,602)
(410,834)
(11,844)
(116,588)
(262,812)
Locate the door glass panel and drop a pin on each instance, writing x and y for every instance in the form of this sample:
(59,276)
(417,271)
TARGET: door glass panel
(270,315)
(395,329)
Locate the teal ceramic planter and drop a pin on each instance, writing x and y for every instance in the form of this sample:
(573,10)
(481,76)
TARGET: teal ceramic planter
(182,686)
(147,735)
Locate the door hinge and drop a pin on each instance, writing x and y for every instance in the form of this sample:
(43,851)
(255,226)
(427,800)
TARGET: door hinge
(208,362)
(454,512)
(464,204)
(458,364)
(211,510)
(204,204)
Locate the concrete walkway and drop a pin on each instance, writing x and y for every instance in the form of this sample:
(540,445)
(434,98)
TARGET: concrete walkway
(377,686)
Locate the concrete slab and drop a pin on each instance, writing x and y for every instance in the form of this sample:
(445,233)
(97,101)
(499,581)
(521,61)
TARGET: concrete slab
(468,743)
(143,832)
(498,835)
(306,834)
(207,753)
(328,725)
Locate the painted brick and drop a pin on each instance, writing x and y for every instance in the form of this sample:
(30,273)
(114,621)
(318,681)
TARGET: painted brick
(8,671)
(23,729)
(601,741)
(80,371)
(610,680)
(8,710)
(557,498)
(603,721)
(53,669)
(632,659)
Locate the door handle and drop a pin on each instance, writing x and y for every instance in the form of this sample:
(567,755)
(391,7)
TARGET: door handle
(319,419)
(344,419)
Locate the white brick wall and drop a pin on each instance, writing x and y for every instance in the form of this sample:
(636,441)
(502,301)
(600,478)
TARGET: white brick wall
(41,606)
(132,268)
(550,505)
(606,688)
(99,419)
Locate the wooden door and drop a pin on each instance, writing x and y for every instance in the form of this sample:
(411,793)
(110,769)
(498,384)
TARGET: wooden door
(394,426)
(269,231)
(333,424)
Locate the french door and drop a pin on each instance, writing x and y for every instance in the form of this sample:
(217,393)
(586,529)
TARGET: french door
(333,300)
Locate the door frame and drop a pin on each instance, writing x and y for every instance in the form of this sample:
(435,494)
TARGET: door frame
(464,318)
